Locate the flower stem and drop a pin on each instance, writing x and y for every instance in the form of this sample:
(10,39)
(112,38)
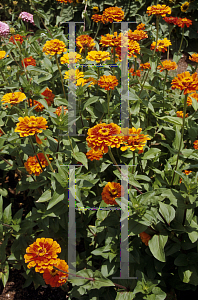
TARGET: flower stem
(157,27)
(133,167)
(60,75)
(70,143)
(164,88)
(50,165)
(97,30)
(182,134)
(108,100)
(35,153)
(181,40)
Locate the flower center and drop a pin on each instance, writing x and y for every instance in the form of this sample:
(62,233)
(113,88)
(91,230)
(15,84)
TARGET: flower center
(53,272)
(32,124)
(104,131)
(42,252)
(187,81)
(113,192)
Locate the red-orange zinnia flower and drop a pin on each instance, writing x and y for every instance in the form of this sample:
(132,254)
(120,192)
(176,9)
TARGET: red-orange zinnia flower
(54,277)
(94,155)
(48,96)
(41,254)
(167,65)
(145,237)
(145,66)
(194,57)
(103,135)
(180,114)
(97,18)
(171,20)
(158,10)
(31,125)
(161,45)
(195,145)
(134,140)
(182,22)
(108,82)
(60,110)
(32,165)
(29,61)
(141,26)
(185,82)
(111,191)
(111,14)
(17,38)
(135,73)
(84,42)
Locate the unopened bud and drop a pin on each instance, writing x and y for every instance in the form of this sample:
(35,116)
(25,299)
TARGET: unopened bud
(12,30)
(15,2)
(8,68)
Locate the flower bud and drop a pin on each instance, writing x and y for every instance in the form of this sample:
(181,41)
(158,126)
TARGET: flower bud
(15,2)
(12,30)
(8,68)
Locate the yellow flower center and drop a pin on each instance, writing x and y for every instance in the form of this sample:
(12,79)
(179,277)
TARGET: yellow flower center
(113,192)
(42,251)
(104,131)
(53,272)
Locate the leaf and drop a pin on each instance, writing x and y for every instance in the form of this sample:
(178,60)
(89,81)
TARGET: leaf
(156,245)
(90,101)
(124,296)
(189,274)
(101,281)
(167,212)
(36,21)
(35,69)
(45,196)
(5,274)
(7,214)
(151,153)
(56,198)
(81,157)
(173,120)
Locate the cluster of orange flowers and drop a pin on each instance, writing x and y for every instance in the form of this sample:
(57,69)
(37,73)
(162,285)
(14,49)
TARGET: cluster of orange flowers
(135,73)
(84,42)
(108,82)
(103,135)
(42,255)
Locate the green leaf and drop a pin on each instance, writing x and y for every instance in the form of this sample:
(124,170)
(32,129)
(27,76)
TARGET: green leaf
(45,196)
(3,192)
(81,157)
(173,120)
(5,274)
(56,198)
(151,153)
(167,212)
(90,101)
(37,21)
(7,214)
(125,296)
(85,274)
(156,245)
(189,274)
(181,260)
(101,281)
(35,69)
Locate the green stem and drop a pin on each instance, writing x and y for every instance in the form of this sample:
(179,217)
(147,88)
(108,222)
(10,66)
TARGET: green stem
(50,165)
(144,82)
(60,75)
(112,28)
(164,87)
(182,134)
(108,100)
(35,153)
(181,40)
(70,143)
(157,26)
(3,76)
(133,167)
(97,30)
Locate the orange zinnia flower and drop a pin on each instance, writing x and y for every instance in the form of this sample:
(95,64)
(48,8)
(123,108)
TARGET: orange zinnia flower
(13,98)
(29,61)
(109,40)
(167,65)
(108,82)
(111,14)
(195,145)
(42,254)
(135,73)
(134,48)
(98,56)
(84,41)
(194,57)
(2,54)
(161,45)
(141,26)
(134,140)
(65,1)
(39,106)
(32,165)
(158,10)
(70,58)
(189,99)
(54,277)
(60,110)
(145,237)
(185,82)
(17,38)
(91,80)
(145,66)
(94,155)
(75,76)
(54,47)
(48,96)
(137,35)
(31,125)
(111,191)
(171,20)
(187,172)
(97,18)
(180,114)
(103,135)
(182,22)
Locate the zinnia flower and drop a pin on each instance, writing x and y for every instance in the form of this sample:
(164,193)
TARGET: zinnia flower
(135,73)
(74,76)
(13,98)
(94,155)
(145,66)
(54,277)
(84,41)
(186,172)
(27,17)
(184,7)
(17,38)
(171,20)
(158,10)
(103,135)
(111,14)
(95,9)
(134,48)
(110,40)
(31,125)
(182,22)
(194,57)
(48,96)
(4,29)
(70,58)
(32,165)
(134,140)
(161,45)
(137,35)
(64,1)
(60,110)
(167,65)
(42,254)
(145,237)
(180,114)
(54,47)
(97,18)
(195,145)
(185,82)
(108,82)
(98,56)
(141,26)
(189,99)
(29,61)
(2,54)
(111,191)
